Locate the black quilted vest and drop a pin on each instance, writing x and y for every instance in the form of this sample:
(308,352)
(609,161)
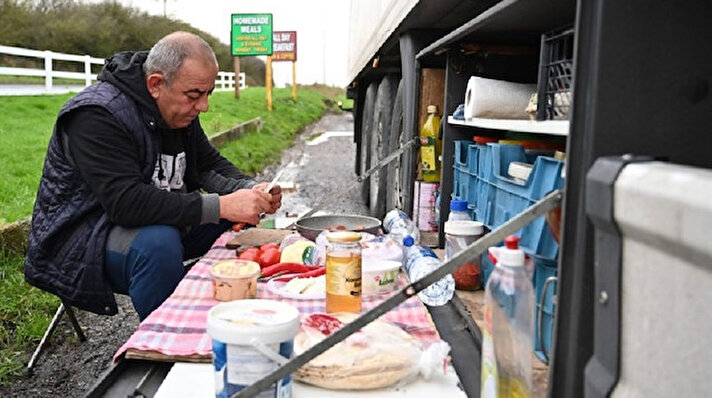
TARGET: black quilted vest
(69,227)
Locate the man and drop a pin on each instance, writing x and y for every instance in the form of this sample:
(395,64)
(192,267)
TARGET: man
(131,187)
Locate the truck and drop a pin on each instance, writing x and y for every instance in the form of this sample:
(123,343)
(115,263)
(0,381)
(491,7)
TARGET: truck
(625,88)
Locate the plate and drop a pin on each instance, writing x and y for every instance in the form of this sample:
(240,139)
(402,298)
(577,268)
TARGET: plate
(277,287)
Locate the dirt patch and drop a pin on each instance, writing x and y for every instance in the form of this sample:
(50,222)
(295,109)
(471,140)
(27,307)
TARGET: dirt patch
(69,367)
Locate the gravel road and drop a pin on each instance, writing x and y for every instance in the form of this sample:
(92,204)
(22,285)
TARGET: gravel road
(321,163)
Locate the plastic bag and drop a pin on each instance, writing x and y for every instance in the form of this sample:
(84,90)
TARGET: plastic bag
(298,249)
(379,355)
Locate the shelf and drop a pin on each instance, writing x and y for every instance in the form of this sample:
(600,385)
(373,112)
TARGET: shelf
(552,127)
(509,21)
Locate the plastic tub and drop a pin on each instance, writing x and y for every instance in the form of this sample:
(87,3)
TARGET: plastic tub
(234,279)
(251,338)
(379,276)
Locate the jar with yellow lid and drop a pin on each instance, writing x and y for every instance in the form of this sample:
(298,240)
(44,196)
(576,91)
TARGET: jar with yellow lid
(343,272)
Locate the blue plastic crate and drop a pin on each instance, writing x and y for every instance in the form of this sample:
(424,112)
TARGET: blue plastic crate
(485,199)
(484,162)
(456,175)
(513,197)
(463,185)
(473,158)
(471,190)
(461,153)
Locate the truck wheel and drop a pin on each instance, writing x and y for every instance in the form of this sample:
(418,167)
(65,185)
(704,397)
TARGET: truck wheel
(394,191)
(366,129)
(380,144)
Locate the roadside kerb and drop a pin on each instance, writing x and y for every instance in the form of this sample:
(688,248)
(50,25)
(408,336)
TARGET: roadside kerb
(236,132)
(13,236)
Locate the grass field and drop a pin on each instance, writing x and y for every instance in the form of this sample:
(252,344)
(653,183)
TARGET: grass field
(26,125)
(25,129)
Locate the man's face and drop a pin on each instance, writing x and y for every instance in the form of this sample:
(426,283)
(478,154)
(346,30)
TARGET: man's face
(187,95)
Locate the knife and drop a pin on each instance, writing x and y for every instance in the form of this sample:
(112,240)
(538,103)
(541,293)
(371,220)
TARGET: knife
(271,185)
(274,180)
(237,227)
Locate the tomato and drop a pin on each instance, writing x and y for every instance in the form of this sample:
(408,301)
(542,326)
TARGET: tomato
(269,246)
(250,254)
(268,257)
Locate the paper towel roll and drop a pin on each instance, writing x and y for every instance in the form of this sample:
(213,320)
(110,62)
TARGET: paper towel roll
(497,99)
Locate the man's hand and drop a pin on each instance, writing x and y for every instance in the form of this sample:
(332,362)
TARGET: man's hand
(245,205)
(276,192)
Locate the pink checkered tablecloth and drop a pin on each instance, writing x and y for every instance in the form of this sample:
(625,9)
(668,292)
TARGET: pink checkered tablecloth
(177,328)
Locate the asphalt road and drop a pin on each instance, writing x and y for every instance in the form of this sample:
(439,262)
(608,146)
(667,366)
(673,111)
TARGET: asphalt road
(321,164)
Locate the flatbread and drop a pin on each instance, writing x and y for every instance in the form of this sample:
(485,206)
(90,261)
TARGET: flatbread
(379,355)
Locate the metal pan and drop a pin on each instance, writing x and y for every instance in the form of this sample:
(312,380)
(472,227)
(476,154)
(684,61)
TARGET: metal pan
(311,227)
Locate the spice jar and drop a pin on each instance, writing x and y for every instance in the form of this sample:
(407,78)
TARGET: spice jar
(458,235)
(343,272)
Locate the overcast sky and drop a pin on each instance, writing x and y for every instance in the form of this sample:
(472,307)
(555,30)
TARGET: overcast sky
(321,25)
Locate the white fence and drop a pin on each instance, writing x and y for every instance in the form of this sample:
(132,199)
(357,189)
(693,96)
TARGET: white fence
(224,82)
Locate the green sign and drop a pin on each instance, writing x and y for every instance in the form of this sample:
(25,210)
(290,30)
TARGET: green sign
(251,34)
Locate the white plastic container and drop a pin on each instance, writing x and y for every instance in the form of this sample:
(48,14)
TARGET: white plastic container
(459,234)
(234,279)
(458,211)
(251,338)
(379,276)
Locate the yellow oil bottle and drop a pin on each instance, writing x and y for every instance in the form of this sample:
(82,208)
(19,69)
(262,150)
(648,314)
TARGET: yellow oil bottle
(430,146)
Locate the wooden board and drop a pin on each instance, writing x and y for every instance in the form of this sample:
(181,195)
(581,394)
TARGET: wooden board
(432,92)
(133,353)
(256,237)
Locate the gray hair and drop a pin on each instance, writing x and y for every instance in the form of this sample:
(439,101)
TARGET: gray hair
(168,54)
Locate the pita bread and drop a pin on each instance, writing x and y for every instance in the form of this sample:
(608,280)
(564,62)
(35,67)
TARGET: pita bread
(379,355)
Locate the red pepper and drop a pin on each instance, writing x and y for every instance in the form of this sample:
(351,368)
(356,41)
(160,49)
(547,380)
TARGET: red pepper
(286,268)
(309,274)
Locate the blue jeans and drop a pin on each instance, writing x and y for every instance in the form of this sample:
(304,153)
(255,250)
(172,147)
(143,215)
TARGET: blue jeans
(147,262)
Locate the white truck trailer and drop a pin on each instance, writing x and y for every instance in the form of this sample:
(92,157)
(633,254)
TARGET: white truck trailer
(634,262)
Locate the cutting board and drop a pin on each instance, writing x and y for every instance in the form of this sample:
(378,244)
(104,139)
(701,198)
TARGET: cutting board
(256,237)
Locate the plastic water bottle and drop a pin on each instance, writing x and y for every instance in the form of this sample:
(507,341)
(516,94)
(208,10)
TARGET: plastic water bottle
(422,261)
(458,210)
(507,338)
(401,228)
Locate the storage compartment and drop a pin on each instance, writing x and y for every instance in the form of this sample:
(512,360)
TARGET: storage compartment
(555,75)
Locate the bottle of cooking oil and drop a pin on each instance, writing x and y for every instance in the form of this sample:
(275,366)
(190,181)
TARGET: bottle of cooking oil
(508,333)
(430,146)
(343,272)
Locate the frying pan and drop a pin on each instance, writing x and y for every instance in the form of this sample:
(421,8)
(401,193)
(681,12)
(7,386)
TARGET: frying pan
(311,227)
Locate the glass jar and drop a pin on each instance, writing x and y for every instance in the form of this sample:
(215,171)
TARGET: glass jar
(343,272)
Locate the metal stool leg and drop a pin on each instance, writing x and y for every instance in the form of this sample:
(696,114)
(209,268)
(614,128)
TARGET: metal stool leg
(48,333)
(74,322)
